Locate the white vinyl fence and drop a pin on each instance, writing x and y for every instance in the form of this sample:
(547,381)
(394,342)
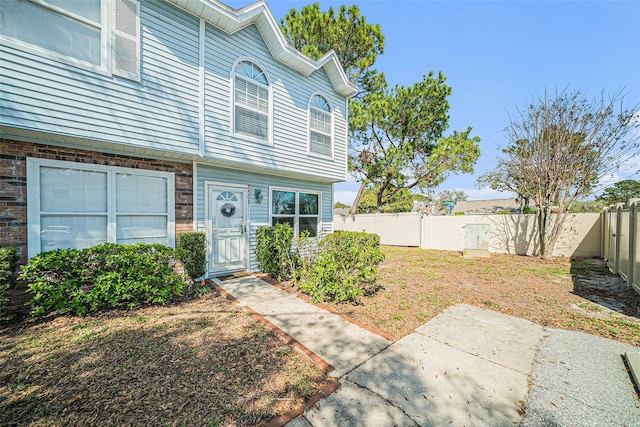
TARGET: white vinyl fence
(511,234)
(621,241)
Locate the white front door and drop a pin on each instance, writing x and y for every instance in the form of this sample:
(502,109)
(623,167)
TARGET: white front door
(227,228)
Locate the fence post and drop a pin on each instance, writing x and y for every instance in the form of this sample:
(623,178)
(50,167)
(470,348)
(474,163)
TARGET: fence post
(633,208)
(616,264)
(604,232)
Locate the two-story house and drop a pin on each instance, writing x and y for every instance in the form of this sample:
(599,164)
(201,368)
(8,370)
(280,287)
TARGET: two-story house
(133,121)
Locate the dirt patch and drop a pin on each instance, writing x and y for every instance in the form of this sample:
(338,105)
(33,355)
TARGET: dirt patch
(201,362)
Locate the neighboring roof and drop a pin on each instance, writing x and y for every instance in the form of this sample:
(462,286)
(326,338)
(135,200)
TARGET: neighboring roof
(486,206)
(231,20)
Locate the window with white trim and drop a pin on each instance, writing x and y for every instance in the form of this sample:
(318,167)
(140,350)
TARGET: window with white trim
(77,32)
(320,126)
(299,209)
(251,101)
(74,205)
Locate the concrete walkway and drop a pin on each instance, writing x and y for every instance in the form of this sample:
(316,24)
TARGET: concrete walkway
(466,367)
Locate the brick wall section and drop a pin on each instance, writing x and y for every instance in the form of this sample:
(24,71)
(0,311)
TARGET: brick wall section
(13,188)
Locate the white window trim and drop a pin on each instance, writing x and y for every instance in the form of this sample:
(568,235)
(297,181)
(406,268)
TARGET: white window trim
(296,216)
(33,197)
(232,84)
(331,135)
(107,35)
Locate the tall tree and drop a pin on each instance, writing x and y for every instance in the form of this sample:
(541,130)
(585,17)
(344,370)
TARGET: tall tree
(621,192)
(560,146)
(400,139)
(356,43)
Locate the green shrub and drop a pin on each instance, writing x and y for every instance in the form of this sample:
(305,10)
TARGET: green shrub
(192,251)
(273,250)
(345,267)
(72,281)
(8,260)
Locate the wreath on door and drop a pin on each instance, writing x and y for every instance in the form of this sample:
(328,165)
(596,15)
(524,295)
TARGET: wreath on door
(228,210)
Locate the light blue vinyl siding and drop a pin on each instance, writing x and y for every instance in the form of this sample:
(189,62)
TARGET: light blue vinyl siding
(259,213)
(291,92)
(159,112)
(162,111)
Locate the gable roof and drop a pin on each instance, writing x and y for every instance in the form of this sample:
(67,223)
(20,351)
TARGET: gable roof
(232,20)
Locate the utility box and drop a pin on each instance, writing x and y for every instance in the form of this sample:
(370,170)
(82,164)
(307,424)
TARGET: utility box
(476,241)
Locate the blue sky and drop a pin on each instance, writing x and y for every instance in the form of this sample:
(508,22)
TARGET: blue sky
(499,55)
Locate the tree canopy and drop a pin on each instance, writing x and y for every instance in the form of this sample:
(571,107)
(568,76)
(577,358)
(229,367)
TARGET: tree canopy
(399,142)
(621,192)
(397,135)
(560,146)
(356,43)
(401,201)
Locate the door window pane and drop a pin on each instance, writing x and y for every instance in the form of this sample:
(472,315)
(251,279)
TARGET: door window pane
(72,190)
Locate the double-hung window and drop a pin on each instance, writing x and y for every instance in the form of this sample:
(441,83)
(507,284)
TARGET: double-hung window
(74,205)
(299,209)
(320,126)
(251,101)
(77,32)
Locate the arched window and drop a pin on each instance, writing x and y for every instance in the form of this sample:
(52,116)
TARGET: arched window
(320,126)
(251,101)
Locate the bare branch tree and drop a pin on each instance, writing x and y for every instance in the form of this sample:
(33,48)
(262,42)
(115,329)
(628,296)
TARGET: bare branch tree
(561,145)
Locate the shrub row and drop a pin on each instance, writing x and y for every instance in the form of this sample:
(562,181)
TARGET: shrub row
(72,281)
(343,267)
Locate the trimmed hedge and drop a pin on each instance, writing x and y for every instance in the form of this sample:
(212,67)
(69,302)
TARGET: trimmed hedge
(192,251)
(71,281)
(8,265)
(345,267)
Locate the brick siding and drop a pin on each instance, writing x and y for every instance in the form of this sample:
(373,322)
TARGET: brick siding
(13,188)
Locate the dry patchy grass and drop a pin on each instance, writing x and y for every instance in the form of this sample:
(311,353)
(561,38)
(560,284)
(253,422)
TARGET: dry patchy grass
(573,294)
(202,362)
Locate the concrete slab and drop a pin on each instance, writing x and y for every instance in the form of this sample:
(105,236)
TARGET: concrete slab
(633,362)
(355,406)
(506,340)
(249,290)
(339,342)
(436,384)
(581,380)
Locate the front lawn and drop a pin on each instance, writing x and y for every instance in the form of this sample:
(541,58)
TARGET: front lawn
(573,294)
(202,362)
